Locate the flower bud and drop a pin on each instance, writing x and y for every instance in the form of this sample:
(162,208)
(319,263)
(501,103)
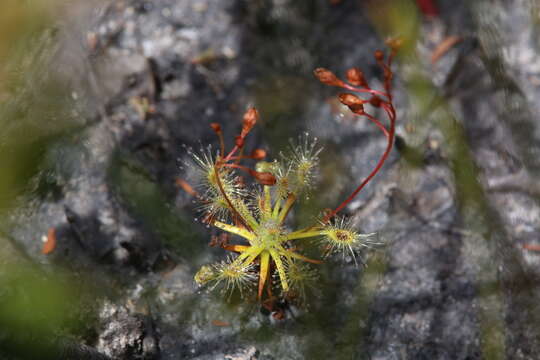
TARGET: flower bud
(350,99)
(216,127)
(356,77)
(354,103)
(258,154)
(250,119)
(375,101)
(358,109)
(327,77)
(379,55)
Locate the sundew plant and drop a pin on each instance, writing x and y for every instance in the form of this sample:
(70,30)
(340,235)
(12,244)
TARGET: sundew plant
(268,257)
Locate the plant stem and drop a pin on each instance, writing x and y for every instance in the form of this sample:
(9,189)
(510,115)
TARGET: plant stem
(383,158)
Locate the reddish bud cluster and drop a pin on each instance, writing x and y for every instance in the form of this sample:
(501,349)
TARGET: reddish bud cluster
(231,160)
(250,119)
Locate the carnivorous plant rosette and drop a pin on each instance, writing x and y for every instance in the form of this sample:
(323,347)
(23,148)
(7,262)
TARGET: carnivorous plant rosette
(268,258)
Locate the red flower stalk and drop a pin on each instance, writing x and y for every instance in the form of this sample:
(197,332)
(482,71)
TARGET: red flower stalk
(378,99)
(250,119)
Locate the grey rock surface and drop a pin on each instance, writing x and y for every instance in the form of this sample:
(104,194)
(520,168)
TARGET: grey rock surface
(454,205)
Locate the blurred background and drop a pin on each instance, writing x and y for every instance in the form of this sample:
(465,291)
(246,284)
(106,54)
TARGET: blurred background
(99,245)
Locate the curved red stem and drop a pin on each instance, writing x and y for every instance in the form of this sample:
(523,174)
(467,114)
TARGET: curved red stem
(389,133)
(390,136)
